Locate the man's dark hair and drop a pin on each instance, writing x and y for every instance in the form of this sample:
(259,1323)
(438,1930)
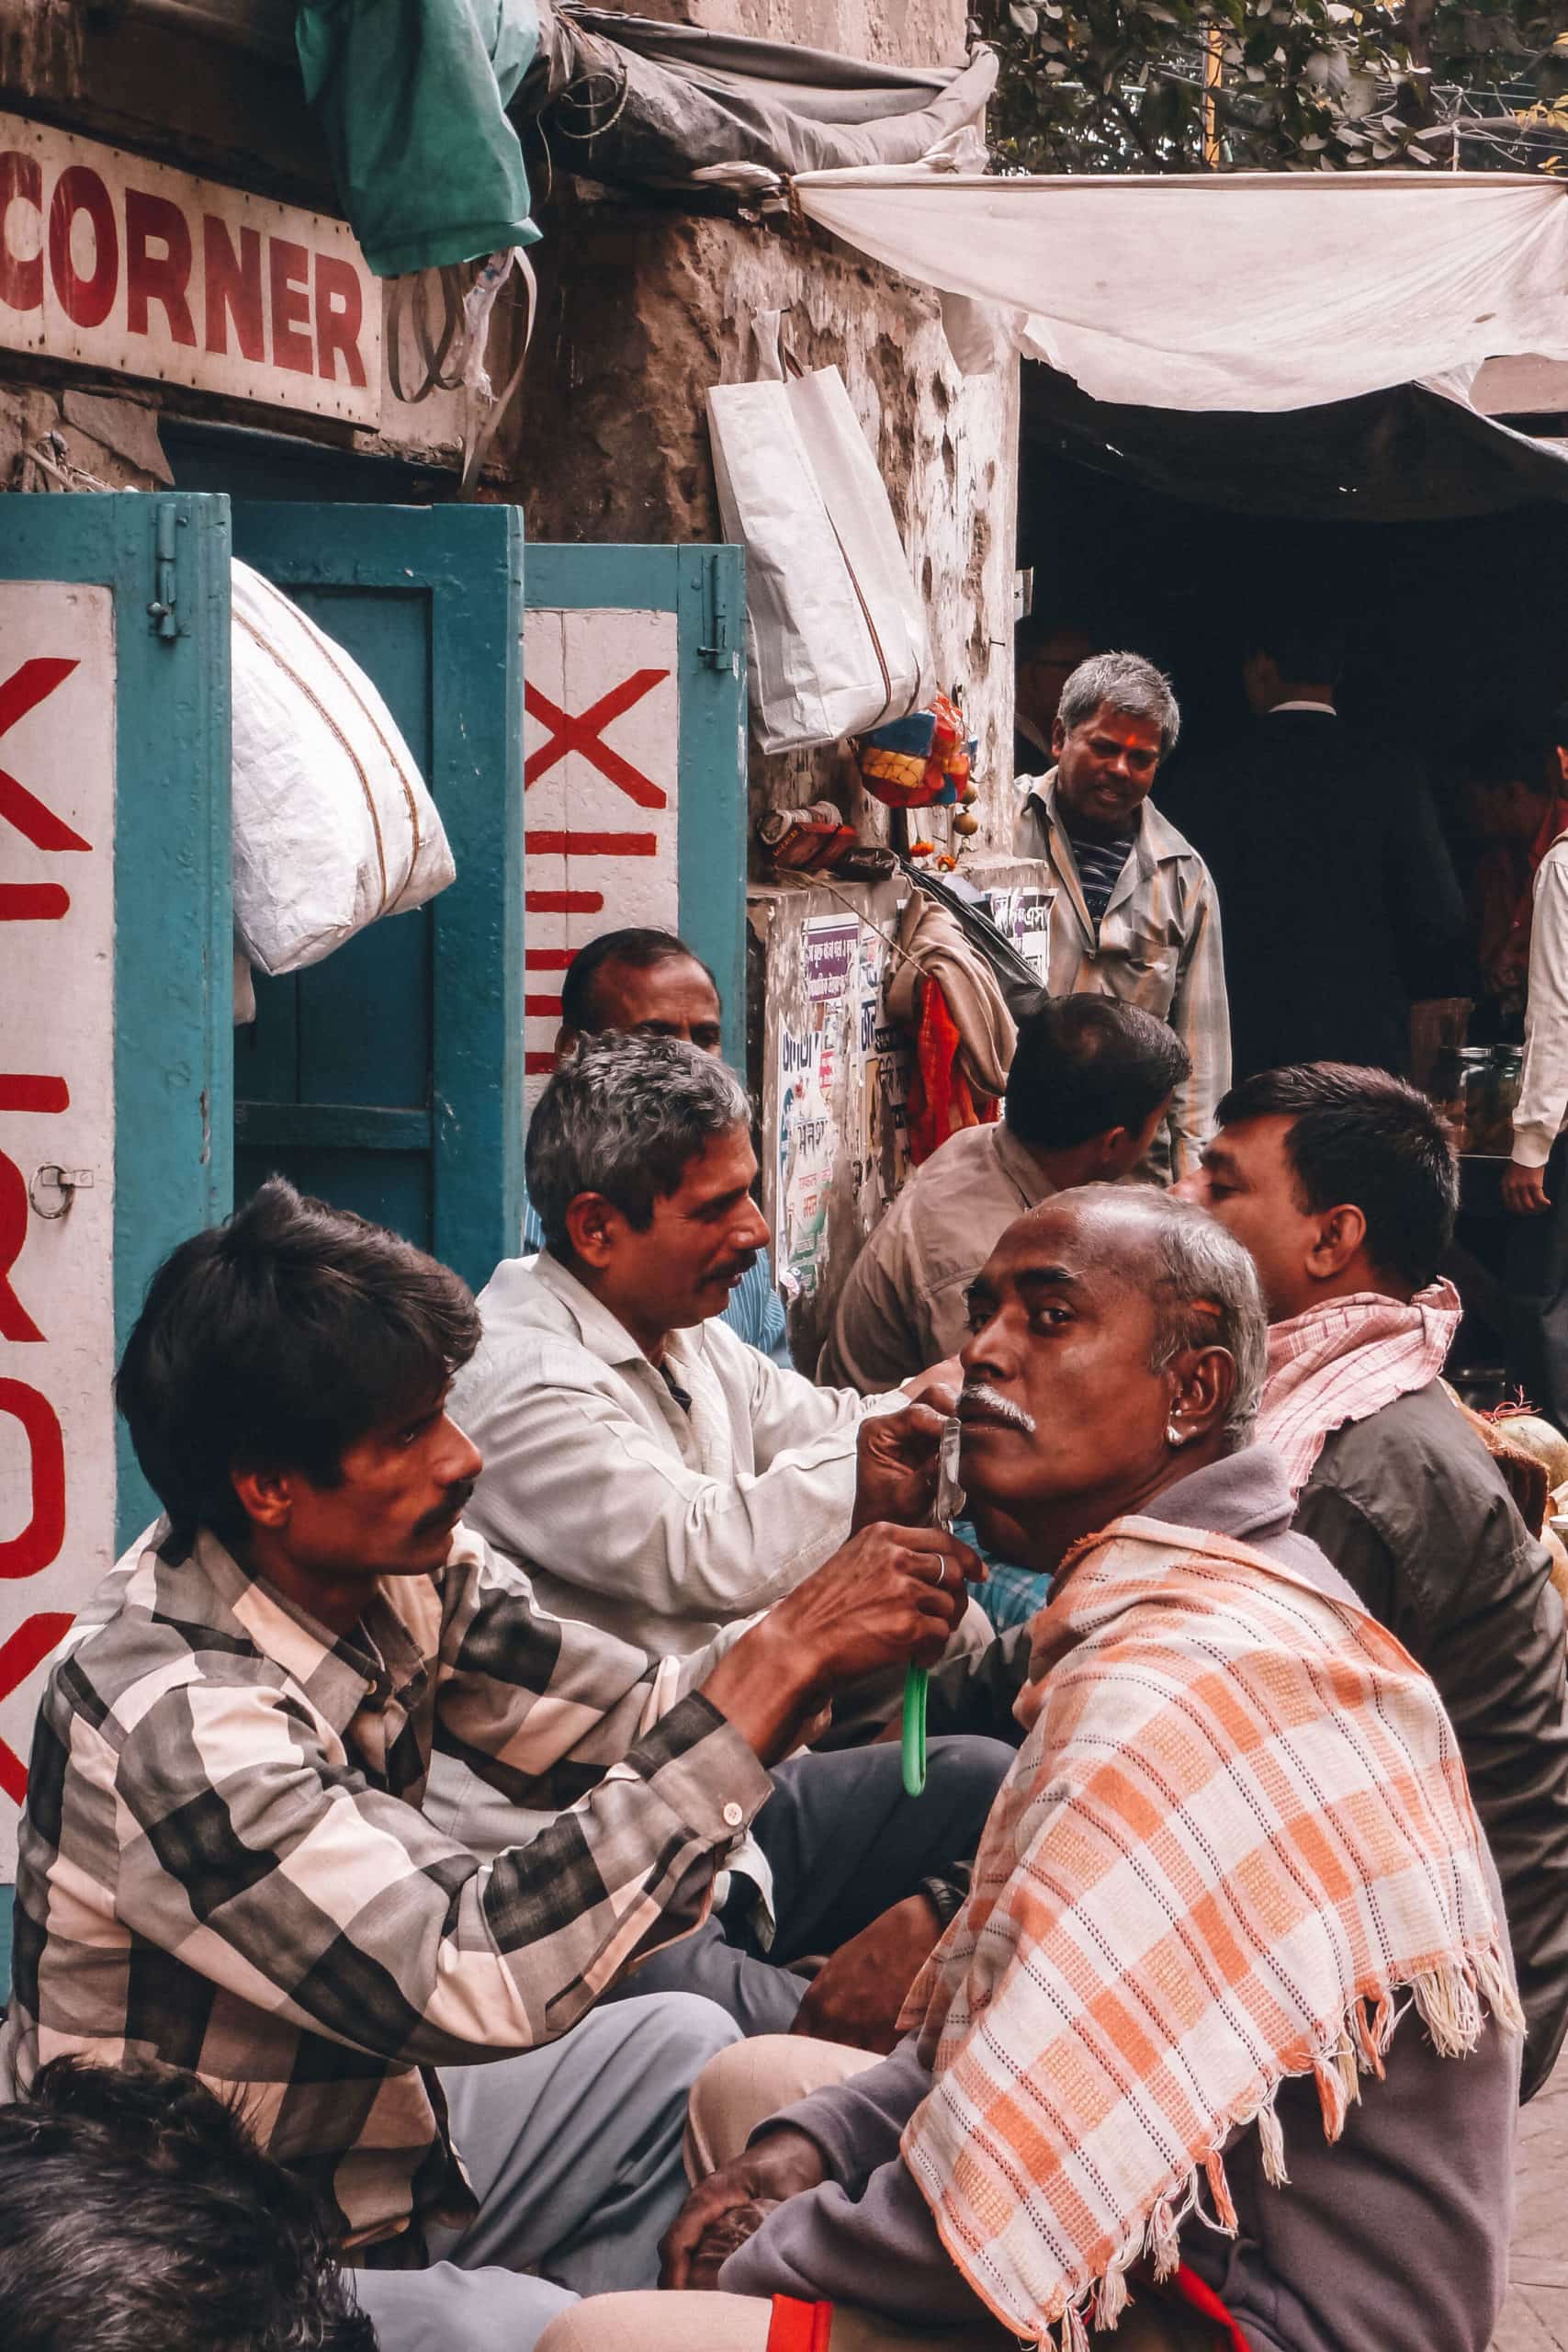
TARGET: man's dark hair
(1307,648)
(137,2214)
(1364,1138)
(1559,726)
(1085,1064)
(633,950)
(278,1340)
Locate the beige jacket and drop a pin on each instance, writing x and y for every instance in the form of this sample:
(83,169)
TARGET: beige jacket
(902,1308)
(1157,945)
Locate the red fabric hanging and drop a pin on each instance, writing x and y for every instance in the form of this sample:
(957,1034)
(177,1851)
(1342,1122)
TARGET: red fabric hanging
(940,1100)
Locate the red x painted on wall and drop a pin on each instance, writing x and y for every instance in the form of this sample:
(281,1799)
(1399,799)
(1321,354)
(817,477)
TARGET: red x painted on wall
(585,734)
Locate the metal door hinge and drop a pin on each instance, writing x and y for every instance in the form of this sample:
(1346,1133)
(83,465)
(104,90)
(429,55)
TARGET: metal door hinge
(163,611)
(718,647)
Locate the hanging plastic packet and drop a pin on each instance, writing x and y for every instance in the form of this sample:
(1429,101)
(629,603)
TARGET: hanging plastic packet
(950,1501)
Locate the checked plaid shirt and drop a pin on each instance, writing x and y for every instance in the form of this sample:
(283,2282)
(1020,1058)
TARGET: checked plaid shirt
(224,1863)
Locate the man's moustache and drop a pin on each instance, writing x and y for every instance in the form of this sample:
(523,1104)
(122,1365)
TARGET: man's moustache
(738,1266)
(455,1504)
(1001,1408)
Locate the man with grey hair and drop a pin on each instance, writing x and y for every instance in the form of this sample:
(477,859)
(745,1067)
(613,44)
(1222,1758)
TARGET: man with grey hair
(1055,1442)
(1135,913)
(661,1480)
(660,1477)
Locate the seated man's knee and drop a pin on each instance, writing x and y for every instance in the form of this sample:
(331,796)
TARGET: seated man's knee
(968,1769)
(689,2032)
(743,2086)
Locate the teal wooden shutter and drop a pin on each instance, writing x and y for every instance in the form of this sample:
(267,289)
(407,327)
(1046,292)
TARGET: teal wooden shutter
(388,1077)
(115,978)
(636,763)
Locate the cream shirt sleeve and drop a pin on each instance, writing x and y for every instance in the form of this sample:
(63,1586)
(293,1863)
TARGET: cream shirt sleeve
(1543,1092)
(576,1485)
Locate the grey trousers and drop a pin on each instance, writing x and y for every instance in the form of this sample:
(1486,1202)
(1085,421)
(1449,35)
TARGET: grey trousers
(845,1844)
(574,2153)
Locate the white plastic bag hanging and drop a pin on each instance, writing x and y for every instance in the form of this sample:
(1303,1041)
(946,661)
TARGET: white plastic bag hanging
(835,631)
(333,824)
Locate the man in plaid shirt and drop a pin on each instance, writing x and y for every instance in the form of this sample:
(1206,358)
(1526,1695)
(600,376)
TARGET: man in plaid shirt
(224,1862)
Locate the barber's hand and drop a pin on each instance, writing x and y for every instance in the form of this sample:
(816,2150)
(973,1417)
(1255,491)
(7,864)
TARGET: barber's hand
(939,1387)
(1524,1190)
(732,2204)
(888,1596)
(856,1994)
(896,1470)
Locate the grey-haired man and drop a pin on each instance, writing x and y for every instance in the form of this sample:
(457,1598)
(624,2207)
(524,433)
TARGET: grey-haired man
(663,1481)
(1135,913)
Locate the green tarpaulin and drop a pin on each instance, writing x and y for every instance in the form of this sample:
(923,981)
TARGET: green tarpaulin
(411,96)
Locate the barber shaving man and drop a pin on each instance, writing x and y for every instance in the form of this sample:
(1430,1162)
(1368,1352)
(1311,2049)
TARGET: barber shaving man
(1233,1921)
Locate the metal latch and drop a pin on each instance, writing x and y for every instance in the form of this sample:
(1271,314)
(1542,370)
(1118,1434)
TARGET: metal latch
(161,611)
(52,1189)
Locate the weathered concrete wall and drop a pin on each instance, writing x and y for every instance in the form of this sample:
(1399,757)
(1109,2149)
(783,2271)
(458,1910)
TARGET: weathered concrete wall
(641,310)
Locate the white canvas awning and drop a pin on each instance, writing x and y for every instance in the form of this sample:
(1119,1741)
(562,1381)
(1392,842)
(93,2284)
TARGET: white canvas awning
(1264,291)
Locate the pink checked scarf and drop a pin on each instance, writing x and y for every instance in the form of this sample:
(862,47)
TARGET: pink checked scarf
(1238,1831)
(1344,1360)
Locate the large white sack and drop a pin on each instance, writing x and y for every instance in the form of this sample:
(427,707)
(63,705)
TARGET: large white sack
(333,824)
(835,630)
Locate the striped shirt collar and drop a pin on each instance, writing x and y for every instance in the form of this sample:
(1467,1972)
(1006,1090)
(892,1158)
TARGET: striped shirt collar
(337,1672)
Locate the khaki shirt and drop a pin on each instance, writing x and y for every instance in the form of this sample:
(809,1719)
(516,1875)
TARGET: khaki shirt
(1157,945)
(902,1308)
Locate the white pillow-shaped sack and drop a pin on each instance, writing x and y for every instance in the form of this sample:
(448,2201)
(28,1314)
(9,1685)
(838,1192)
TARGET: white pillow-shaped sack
(333,826)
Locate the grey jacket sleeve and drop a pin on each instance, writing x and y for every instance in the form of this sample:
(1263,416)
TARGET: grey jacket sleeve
(1489,1631)
(866,2237)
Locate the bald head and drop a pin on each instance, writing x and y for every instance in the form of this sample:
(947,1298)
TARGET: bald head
(1118,1343)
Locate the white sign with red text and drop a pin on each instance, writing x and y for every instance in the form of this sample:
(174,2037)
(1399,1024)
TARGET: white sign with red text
(57,918)
(118,263)
(601,775)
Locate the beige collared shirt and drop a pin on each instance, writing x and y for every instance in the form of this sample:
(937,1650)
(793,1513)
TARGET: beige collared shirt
(1157,945)
(655,1523)
(902,1308)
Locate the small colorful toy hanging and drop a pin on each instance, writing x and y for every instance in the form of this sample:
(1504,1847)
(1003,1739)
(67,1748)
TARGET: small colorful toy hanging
(921,762)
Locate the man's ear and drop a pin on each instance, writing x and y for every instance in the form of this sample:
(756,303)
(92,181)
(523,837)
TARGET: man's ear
(566,1042)
(1202,1388)
(1112,1150)
(1058,735)
(1562,762)
(265,1497)
(593,1226)
(1340,1236)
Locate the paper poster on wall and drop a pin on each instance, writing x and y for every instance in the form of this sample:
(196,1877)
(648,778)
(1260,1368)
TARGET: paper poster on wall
(809,1139)
(1024,917)
(831,956)
(885,1077)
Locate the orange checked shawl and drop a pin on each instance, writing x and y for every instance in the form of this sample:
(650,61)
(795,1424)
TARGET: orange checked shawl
(1238,1830)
